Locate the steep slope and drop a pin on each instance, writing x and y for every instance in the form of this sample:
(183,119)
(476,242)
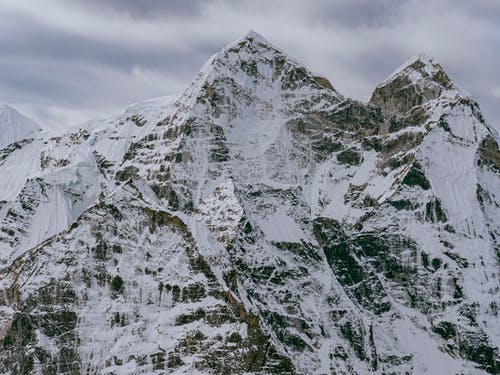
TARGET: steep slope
(133,309)
(14,126)
(262,223)
(50,179)
(450,276)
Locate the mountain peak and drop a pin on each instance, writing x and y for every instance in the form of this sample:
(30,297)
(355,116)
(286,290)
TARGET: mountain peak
(422,68)
(417,81)
(254,36)
(14,126)
(251,42)
(253,61)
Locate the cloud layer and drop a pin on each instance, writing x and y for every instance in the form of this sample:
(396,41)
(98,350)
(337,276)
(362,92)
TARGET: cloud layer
(66,61)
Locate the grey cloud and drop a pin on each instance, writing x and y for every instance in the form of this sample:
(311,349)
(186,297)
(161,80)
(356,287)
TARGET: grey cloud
(147,9)
(39,41)
(367,13)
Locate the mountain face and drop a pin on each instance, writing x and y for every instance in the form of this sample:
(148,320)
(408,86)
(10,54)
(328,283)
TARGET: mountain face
(259,222)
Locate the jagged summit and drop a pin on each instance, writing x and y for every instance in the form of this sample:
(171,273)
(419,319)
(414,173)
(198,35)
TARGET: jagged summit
(14,126)
(253,61)
(253,36)
(421,68)
(253,41)
(257,43)
(414,83)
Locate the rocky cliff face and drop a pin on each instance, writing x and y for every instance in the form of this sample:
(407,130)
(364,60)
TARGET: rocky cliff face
(258,223)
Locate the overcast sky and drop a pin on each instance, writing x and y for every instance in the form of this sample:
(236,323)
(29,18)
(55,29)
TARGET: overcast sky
(65,61)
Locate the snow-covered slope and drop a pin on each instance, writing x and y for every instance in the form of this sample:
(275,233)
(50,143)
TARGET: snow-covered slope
(14,126)
(258,223)
(50,179)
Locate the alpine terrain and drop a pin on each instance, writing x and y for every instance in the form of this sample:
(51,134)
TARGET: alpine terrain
(258,223)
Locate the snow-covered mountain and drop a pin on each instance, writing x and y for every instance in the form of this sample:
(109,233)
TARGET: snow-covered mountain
(259,222)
